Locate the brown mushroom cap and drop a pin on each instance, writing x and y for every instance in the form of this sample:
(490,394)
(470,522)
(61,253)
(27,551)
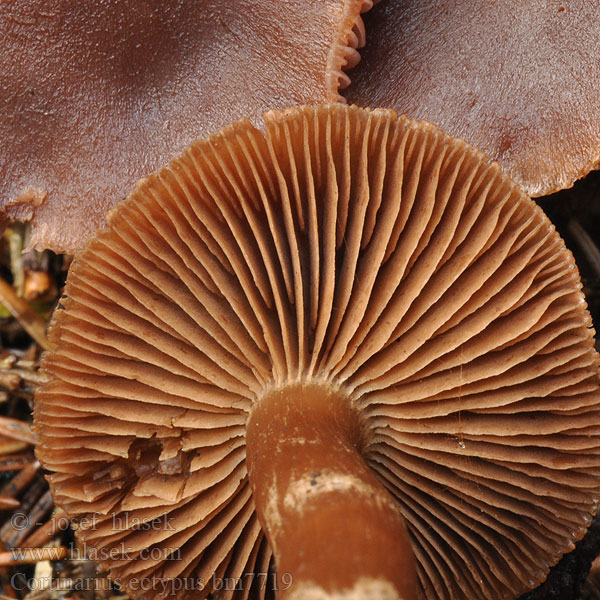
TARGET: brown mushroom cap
(95,95)
(351,265)
(520,80)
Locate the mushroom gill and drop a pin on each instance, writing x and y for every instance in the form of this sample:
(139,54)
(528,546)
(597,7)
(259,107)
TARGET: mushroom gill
(519,80)
(96,95)
(345,356)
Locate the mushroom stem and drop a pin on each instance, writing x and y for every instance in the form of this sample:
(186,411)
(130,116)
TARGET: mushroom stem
(335,531)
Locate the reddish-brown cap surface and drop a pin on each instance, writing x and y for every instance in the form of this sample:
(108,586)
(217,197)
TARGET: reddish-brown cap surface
(95,95)
(519,80)
(350,264)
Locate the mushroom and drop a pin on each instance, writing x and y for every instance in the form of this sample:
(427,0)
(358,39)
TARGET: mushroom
(340,356)
(520,80)
(96,95)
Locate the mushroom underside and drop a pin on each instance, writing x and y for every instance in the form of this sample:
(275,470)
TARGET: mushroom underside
(367,262)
